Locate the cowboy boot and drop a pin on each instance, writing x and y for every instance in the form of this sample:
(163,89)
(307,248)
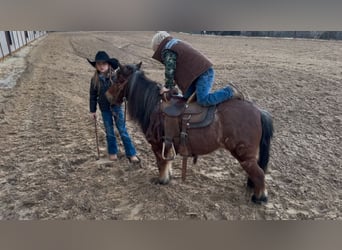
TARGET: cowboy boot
(237,94)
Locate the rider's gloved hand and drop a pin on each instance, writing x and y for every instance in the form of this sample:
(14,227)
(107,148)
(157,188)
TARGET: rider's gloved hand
(163,90)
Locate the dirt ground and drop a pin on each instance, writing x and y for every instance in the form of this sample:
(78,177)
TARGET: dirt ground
(48,168)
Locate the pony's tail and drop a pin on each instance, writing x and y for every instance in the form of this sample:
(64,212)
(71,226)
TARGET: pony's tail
(265,142)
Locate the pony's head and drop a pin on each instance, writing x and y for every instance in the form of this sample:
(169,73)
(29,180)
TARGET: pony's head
(117,92)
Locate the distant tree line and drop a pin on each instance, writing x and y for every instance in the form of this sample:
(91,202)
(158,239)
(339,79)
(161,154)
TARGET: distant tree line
(337,35)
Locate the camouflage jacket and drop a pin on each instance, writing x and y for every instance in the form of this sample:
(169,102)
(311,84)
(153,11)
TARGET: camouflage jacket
(169,58)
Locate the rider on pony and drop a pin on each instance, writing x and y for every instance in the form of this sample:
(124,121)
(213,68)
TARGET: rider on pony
(189,69)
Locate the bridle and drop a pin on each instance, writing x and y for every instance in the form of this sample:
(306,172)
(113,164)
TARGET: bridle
(122,87)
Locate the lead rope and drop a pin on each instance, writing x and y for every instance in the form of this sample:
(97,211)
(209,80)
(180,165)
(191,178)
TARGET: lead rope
(125,114)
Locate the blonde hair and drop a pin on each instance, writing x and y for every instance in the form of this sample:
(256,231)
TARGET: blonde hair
(96,79)
(158,38)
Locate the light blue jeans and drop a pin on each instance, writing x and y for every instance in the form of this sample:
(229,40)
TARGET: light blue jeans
(202,85)
(107,116)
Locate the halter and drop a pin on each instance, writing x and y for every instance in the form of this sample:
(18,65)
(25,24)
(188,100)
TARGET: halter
(121,86)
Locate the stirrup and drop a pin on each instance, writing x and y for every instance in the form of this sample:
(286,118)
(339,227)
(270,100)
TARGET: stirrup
(173,153)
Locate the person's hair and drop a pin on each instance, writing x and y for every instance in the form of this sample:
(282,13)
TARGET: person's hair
(96,79)
(158,38)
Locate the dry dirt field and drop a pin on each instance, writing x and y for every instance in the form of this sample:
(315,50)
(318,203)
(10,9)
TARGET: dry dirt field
(48,168)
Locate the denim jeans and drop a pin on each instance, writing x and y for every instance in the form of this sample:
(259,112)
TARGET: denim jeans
(118,115)
(202,85)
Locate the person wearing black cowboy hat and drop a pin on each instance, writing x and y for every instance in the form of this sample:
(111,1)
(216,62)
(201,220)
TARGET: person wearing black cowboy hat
(102,56)
(103,78)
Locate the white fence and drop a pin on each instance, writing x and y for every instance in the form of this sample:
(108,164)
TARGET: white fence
(11,41)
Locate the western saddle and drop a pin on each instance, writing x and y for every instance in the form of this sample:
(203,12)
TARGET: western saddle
(180,115)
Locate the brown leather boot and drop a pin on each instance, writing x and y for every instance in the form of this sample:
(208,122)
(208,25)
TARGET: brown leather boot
(237,94)
(112,157)
(134,159)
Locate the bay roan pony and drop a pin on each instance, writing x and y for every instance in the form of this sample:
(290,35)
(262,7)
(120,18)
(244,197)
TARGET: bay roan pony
(239,126)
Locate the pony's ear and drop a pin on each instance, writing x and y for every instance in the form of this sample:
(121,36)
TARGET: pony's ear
(139,65)
(120,66)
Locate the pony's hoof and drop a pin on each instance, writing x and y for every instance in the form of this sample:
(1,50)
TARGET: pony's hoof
(250,183)
(164,181)
(261,200)
(157,181)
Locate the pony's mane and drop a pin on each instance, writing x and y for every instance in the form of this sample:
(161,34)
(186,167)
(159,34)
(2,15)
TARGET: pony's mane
(143,97)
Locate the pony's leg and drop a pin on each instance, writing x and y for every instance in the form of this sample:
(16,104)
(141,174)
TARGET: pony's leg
(257,177)
(250,183)
(165,171)
(164,167)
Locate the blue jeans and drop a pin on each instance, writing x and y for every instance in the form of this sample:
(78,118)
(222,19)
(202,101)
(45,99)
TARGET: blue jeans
(202,85)
(107,117)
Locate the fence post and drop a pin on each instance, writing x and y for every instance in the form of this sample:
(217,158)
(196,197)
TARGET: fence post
(16,32)
(7,33)
(2,52)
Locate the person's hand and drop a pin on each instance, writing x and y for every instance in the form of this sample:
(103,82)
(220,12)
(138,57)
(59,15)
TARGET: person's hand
(93,116)
(163,90)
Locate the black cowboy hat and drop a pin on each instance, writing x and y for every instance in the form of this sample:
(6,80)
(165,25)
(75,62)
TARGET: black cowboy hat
(102,56)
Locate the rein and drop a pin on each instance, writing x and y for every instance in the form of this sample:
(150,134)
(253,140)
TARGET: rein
(122,85)
(125,113)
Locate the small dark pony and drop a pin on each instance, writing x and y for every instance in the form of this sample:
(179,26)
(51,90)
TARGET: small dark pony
(238,126)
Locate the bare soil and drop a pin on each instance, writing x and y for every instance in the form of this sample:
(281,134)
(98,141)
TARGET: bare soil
(48,168)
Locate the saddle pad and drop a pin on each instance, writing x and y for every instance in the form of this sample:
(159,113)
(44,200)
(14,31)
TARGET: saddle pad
(202,119)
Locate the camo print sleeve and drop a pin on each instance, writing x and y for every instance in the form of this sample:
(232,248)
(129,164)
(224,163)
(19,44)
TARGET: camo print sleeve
(169,58)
